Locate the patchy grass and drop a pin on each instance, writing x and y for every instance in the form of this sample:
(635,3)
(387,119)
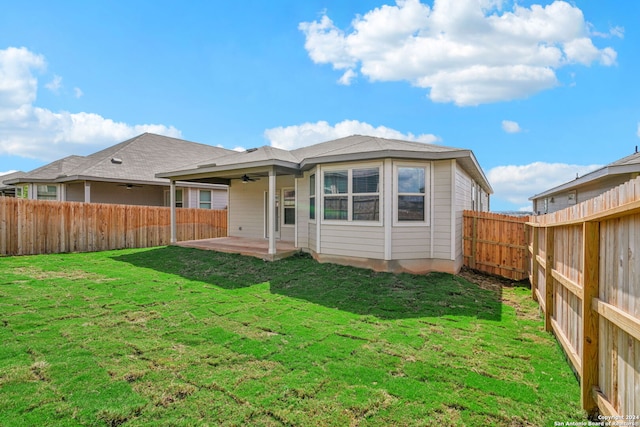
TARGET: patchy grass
(174,336)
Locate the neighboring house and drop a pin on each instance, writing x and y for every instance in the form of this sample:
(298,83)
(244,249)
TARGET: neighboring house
(587,186)
(6,189)
(125,174)
(385,204)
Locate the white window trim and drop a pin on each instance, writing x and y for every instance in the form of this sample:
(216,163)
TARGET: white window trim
(200,200)
(428,192)
(295,206)
(315,196)
(349,167)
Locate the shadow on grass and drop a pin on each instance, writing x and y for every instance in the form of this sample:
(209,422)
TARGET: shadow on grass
(359,291)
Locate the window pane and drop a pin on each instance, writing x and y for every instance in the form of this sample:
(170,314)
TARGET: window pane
(410,180)
(366,208)
(336,182)
(46,192)
(289,216)
(205,196)
(410,208)
(366,180)
(312,185)
(312,208)
(289,198)
(336,207)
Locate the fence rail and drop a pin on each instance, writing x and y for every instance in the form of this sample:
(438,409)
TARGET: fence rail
(29,227)
(495,244)
(585,273)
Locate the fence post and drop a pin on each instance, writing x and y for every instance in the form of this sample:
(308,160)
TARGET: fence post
(474,238)
(533,278)
(591,256)
(549,288)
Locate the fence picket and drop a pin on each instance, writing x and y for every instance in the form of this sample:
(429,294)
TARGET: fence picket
(29,227)
(601,326)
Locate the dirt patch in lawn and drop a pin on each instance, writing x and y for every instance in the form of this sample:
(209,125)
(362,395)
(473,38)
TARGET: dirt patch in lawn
(497,284)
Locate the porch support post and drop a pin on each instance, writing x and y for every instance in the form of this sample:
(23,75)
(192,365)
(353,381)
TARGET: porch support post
(172,203)
(271,217)
(87,192)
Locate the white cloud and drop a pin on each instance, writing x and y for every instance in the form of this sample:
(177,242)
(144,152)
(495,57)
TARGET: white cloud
(77,92)
(511,127)
(55,84)
(30,131)
(347,77)
(7,172)
(291,137)
(468,52)
(516,183)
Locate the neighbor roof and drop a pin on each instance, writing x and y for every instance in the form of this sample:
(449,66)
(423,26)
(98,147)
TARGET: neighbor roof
(9,176)
(136,160)
(351,148)
(626,165)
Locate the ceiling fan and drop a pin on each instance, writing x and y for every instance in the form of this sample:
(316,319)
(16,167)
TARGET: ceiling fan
(246,178)
(129,186)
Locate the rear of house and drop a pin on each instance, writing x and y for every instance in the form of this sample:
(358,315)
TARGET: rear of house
(383,204)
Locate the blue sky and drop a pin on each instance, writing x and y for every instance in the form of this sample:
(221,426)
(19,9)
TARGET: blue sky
(539,90)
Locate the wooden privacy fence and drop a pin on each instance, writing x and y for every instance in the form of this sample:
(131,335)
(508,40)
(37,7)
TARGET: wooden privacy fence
(585,274)
(29,227)
(496,244)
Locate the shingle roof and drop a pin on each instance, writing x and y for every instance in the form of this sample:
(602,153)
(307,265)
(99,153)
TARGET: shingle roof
(8,176)
(351,148)
(135,160)
(629,164)
(357,144)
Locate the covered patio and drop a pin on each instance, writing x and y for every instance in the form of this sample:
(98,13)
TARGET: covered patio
(258,248)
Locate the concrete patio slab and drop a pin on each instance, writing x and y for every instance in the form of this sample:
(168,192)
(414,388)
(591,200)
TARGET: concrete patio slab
(258,248)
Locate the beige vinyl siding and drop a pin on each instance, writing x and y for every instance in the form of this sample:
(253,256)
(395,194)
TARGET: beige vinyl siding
(219,198)
(312,240)
(108,192)
(410,242)
(463,194)
(75,192)
(442,200)
(246,208)
(586,192)
(352,240)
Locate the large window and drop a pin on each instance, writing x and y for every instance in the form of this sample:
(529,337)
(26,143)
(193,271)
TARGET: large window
(352,194)
(204,199)
(289,206)
(411,193)
(47,192)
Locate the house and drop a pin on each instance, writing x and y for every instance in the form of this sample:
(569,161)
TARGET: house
(125,174)
(587,186)
(6,189)
(385,204)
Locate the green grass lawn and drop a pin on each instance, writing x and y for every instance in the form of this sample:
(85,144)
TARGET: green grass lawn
(180,337)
